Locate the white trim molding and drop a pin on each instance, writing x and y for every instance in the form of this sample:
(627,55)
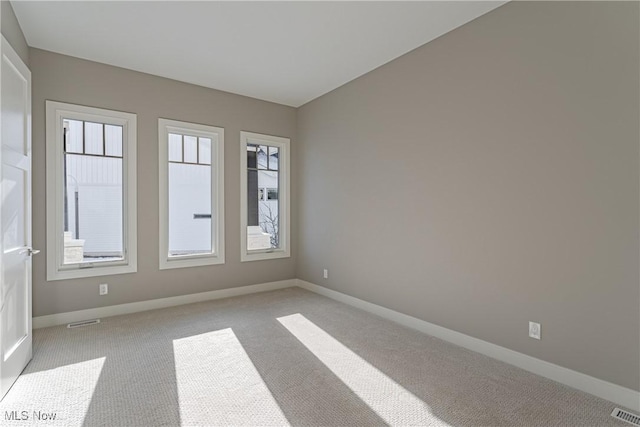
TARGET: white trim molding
(588,384)
(135,307)
(216,135)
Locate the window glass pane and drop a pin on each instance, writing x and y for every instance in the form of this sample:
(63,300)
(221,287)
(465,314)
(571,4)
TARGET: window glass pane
(74,136)
(268,209)
(253,196)
(262,221)
(93,209)
(93,138)
(252,156)
(262,157)
(189,209)
(175,147)
(273,158)
(263,186)
(205,151)
(113,140)
(190,149)
(256,238)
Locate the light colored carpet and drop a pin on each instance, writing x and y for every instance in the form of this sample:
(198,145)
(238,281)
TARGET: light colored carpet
(286,357)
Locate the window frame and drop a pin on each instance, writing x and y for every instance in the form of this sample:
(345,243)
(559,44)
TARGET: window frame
(284,199)
(56,113)
(216,134)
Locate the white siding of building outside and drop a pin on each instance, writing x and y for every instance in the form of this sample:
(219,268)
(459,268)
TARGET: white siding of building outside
(190,194)
(98,181)
(99,184)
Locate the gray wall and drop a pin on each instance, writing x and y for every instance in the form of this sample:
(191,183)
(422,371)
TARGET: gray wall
(490,178)
(62,78)
(12,32)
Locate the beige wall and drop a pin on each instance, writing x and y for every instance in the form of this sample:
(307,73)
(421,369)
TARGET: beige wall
(490,178)
(12,32)
(62,78)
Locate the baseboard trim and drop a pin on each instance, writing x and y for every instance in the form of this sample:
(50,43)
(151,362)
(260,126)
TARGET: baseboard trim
(597,387)
(134,307)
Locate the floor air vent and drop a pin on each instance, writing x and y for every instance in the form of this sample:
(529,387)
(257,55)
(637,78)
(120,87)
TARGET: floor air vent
(626,416)
(83,323)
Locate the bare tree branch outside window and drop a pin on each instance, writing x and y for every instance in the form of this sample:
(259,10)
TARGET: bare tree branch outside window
(269,223)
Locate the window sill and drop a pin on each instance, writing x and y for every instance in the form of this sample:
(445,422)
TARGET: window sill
(264,255)
(96,271)
(191,261)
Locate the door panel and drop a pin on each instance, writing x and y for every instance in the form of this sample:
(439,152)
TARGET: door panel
(15,217)
(13,209)
(14,91)
(13,322)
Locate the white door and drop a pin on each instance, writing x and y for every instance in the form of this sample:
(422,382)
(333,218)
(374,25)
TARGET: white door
(15,217)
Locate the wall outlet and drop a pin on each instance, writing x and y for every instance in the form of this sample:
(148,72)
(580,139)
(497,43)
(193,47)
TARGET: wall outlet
(104,288)
(534,330)
(325,273)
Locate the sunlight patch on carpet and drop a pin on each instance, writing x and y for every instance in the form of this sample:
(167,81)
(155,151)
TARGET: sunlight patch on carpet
(219,385)
(59,396)
(392,402)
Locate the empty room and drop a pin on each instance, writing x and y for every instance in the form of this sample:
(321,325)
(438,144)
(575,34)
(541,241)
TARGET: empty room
(320,213)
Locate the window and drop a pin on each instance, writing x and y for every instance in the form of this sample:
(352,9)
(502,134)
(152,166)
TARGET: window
(191,194)
(272,194)
(91,191)
(264,200)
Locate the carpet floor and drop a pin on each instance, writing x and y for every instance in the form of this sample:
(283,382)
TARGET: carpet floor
(287,357)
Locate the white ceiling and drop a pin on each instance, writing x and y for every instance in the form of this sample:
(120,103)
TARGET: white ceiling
(285,52)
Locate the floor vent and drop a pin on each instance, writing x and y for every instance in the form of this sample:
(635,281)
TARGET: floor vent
(626,416)
(83,323)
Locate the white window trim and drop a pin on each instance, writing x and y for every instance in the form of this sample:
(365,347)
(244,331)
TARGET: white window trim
(55,113)
(166,126)
(284,172)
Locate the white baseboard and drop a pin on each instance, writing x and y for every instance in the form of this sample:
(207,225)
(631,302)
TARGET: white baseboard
(134,307)
(603,389)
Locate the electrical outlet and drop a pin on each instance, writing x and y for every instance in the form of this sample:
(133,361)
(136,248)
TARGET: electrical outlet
(534,330)
(326,273)
(104,288)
